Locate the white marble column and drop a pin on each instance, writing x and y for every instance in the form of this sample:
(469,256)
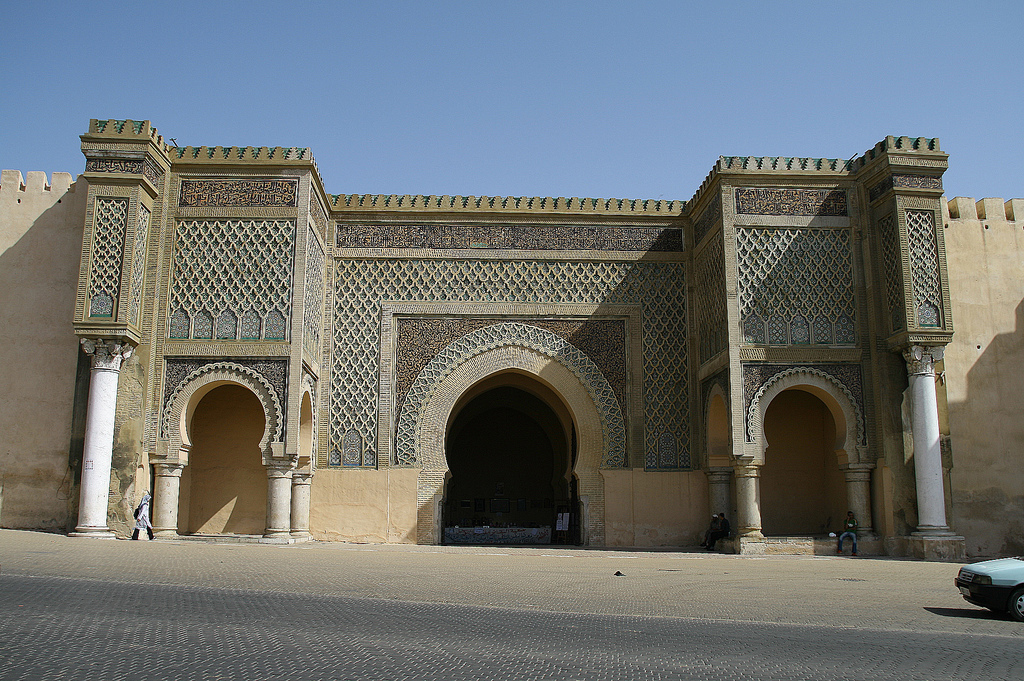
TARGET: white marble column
(300,504)
(858,495)
(719,499)
(931,498)
(748,500)
(165,498)
(107,356)
(279,500)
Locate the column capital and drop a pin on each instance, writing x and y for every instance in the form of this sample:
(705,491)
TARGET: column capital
(107,354)
(301,477)
(279,470)
(719,474)
(921,359)
(171,468)
(746,470)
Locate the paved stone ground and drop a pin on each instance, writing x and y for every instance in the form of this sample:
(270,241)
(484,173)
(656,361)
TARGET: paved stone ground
(93,609)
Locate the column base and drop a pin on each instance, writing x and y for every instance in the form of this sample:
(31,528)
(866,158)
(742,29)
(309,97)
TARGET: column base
(950,548)
(164,533)
(277,534)
(752,544)
(302,535)
(94,532)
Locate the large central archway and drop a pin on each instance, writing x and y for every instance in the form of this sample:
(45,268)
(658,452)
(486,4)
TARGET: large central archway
(224,487)
(803,489)
(510,456)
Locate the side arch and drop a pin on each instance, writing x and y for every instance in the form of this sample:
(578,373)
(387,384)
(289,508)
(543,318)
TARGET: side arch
(717,428)
(182,402)
(837,398)
(437,412)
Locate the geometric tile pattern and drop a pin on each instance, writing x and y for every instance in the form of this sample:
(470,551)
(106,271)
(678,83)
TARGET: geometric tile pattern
(108,247)
(709,303)
(891,262)
(500,335)
(227,269)
(924,267)
(796,286)
(314,296)
(363,284)
(708,219)
(138,265)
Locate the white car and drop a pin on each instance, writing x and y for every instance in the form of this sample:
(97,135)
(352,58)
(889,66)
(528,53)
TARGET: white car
(995,584)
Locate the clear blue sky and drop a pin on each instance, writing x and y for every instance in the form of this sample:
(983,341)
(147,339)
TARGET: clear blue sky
(601,99)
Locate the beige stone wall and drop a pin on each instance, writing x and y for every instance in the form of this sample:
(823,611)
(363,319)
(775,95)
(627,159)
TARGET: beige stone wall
(40,243)
(364,505)
(660,508)
(984,372)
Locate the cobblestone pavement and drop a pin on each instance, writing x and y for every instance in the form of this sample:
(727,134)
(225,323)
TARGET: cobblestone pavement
(93,609)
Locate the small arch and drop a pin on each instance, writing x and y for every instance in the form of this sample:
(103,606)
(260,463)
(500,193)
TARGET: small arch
(181,404)
(718,434)
(849,424)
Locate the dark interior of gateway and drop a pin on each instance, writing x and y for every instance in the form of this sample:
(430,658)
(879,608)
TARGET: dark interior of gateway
(510,458)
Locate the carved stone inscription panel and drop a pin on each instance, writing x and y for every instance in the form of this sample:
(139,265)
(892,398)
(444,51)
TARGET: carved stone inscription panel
(216,193)
(508,237)
(766,201)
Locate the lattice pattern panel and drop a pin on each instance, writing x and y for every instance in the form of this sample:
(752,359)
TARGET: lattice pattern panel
(227,270)
(138,264)
(709,302)
(108,246)
(796,286)
(314,302)
(503,334)
(892,262)
(361,285)
(924,267)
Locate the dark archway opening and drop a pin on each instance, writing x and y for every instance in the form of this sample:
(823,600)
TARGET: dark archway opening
(803,490)
(510,458)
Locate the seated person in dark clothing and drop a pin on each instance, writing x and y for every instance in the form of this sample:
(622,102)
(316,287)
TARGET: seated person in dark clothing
(721,533)
(715,526)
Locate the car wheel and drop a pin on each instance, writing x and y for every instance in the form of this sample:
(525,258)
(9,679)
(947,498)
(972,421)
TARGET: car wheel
(1017,604)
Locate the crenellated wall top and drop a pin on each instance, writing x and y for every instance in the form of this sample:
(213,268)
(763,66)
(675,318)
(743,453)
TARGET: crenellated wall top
(898,149)
(535,204)
(963,208)
(241,154)
(127,130)
(13,184)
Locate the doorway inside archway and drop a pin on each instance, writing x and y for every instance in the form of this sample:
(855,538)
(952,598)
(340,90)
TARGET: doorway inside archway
(510,459)
(224,486)
(803,490)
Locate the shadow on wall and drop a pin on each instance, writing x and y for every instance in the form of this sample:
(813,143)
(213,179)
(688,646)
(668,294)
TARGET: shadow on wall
(989,510)
(40,247)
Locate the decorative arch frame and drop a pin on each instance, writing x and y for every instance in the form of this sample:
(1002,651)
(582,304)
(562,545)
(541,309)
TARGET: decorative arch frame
(837,398)
(183,400)
(439,409)
(408,448)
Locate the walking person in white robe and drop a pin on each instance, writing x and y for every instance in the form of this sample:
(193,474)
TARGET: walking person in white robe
(142,517)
